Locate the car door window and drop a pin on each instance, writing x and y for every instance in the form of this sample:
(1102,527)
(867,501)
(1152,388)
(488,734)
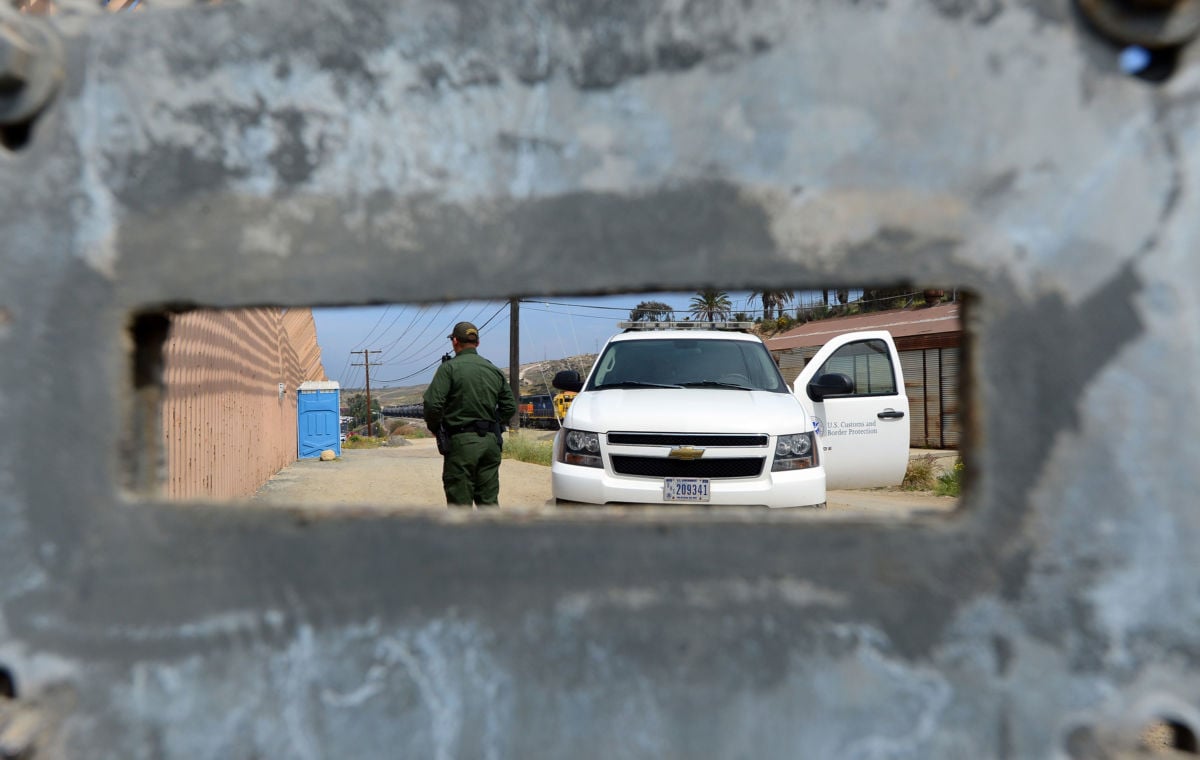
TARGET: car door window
(868,363)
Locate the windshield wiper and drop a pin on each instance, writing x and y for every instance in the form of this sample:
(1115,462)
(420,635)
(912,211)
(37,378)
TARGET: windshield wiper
(716,384)
(633,384)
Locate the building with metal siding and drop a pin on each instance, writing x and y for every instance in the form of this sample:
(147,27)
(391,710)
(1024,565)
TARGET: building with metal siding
(226,425)
(929,340)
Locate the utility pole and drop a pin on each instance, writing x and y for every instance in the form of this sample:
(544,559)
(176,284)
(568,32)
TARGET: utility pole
(514,357)
(367,365)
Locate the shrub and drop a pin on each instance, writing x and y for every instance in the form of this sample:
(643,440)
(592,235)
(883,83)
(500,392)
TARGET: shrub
(950,484)
(407,430)
(919,475)
(356,441)
(529,450)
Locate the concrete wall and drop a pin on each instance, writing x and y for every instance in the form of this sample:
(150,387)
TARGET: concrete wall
(226,428)
(367,151)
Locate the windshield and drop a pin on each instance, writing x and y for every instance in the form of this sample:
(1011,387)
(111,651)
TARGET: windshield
(687,363)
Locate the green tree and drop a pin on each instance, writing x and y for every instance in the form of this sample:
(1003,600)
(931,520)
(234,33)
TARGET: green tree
(358,408)
(711,304)
(773,301)
(884,299)
(652,311)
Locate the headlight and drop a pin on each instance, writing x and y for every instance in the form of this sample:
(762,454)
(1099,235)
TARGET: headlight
(580,448)
(794,452)
(580,441)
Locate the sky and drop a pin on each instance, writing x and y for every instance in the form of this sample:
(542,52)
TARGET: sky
(411,339)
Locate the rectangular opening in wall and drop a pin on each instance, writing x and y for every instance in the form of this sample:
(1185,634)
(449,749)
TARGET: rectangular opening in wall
(831,401)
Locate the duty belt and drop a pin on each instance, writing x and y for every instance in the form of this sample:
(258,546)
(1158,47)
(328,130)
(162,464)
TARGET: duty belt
(480,427)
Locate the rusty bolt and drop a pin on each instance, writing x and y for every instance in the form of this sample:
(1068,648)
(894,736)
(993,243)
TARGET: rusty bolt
(16,60)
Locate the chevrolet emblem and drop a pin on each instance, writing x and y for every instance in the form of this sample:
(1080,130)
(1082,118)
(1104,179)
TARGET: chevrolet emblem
(686,453)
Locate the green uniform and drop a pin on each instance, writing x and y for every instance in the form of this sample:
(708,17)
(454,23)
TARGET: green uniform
(465,391)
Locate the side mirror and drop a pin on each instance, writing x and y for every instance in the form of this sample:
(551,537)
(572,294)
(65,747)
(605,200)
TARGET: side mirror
(831,384)
(568,380)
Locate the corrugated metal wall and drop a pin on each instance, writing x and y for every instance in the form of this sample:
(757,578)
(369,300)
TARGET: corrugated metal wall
(931,380)
(793,360)
(950,382)
(302,344)
(225,427)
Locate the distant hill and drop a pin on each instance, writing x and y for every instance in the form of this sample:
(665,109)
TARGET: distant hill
(536,376)
(408,394)
(535,380)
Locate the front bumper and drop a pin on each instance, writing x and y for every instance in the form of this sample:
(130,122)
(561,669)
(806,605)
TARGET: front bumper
(594,485)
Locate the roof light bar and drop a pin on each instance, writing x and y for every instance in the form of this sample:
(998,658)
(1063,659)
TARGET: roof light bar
(697,325)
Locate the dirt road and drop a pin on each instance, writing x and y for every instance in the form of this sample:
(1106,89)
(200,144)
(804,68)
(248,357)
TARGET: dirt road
(393,476)
(411,476)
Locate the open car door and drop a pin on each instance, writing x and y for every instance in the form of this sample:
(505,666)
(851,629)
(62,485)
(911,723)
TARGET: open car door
(854,388)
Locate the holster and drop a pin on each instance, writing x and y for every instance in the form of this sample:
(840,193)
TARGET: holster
(442,435)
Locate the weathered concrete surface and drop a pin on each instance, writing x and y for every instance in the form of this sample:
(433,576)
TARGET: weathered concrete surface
(272,153)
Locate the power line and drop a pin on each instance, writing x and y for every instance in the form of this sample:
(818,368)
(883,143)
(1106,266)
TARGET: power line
(343,376)
(422,310)
(411,353)
(409,350)
(581,316)
(438,360)
(497,313)
(416,350)
(436,339)
(366,365)
(575,305)
(377,323)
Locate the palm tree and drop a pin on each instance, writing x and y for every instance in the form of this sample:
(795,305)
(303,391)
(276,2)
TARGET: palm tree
(710,303)
(773,301)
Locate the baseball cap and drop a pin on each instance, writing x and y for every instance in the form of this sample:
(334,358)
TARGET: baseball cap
(465,332)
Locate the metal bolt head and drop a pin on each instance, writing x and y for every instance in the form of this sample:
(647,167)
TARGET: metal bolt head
(16,60)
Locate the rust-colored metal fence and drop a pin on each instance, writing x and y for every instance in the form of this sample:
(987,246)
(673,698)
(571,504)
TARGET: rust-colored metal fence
(227,427)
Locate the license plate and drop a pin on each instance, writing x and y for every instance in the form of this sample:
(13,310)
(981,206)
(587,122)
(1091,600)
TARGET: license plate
(685,489)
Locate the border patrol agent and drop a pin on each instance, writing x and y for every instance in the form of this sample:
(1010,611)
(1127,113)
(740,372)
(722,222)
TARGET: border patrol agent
(465,404)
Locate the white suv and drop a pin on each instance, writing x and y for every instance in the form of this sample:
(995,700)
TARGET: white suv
(676,413)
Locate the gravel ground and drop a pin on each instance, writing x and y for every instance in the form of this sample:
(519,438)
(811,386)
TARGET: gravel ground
(393,476)
(410,476)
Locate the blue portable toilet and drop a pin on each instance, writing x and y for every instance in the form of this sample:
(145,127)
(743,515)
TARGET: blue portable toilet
(318,422)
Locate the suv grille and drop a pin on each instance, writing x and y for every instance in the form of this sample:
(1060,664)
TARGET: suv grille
(687,439)
(657,467)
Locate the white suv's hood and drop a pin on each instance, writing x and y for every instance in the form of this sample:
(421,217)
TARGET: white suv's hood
(687,410)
